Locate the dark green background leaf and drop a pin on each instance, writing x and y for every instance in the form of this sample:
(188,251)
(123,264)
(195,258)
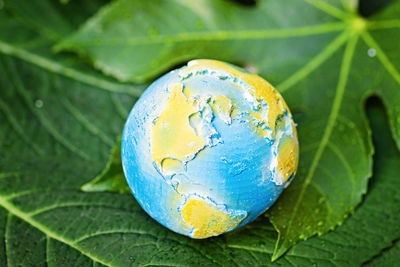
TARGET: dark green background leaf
(388,257)
(58,120)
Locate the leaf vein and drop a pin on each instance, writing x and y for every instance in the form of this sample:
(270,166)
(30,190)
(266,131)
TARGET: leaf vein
(290,261)
(47,250)
(314,63)
(18,128)
(387,64)
(131,231)
(8,174)
(72,204)
(119,107)
(383,24)
(6,239)
(343,159)
(55,67)
(217,36)
(42,118)
(15,211)
(328,9)
(270,252)
(343,76)
(86,123)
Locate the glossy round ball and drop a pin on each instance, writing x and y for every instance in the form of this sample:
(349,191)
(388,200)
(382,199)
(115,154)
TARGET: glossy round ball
(208,148)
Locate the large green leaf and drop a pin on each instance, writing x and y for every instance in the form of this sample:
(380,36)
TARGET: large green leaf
(137,40)
(323,57)
(55,119)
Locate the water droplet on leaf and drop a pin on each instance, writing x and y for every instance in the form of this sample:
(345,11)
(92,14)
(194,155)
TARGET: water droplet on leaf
(39,103)
(371,52)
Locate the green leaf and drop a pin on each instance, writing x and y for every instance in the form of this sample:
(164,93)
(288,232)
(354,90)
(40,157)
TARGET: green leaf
(324,58)
(389,257)
(112,178)
(37,33)
(56,116)
(137,40)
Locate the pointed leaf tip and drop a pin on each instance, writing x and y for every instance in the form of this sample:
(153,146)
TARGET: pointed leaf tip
(280,248)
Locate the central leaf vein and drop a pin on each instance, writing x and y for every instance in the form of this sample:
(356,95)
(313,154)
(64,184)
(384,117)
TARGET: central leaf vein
(219,36)
(343,76)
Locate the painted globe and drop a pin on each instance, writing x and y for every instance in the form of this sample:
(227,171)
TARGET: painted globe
(208,148)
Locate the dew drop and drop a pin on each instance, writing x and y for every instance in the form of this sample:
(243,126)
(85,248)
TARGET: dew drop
(39,103)
(371,52)
(320,223)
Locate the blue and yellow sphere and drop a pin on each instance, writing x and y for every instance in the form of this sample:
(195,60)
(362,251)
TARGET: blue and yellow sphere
(208,148)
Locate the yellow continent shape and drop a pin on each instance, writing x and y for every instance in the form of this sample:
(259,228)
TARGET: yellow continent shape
(262,89)
(207,219)
(172,136)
